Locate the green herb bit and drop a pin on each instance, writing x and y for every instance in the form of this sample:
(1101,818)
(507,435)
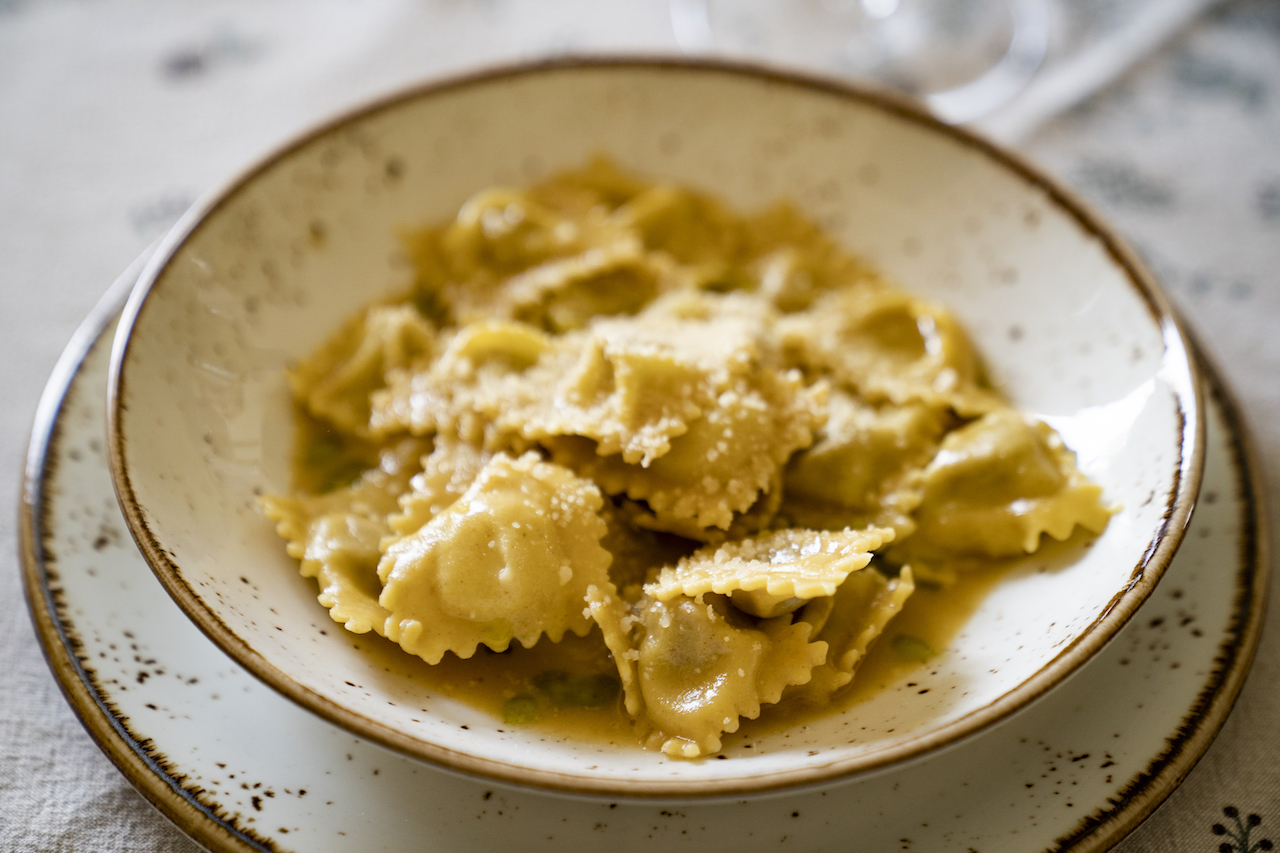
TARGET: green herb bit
(327,459)
(340,477)
(519,710)
(911,648)
(567,690)
(430,304)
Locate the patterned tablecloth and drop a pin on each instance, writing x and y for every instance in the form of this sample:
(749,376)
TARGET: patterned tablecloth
(116,114)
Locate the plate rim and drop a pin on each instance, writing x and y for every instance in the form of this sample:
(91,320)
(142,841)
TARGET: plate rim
(108,730)
(1187,392)
(1094,833)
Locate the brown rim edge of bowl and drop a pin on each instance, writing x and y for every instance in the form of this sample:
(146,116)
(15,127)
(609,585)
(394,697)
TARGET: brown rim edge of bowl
(1141,797)
(1180,501)
(1206,717)
(144,769)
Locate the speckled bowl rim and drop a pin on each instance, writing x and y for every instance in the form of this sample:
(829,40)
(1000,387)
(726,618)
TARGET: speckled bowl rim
(1186,387)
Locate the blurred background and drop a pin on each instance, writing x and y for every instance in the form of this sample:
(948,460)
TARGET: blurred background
(115,115)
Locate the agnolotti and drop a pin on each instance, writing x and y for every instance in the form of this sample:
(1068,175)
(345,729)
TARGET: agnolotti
(774,573)
(865,464)
(889,346)
(336,383)
(720,467)
(794,262)
(468,269)
(567,293)
(689,227)
(615,425)
(497,233)
(704,665)
(997,484)
(848,622)
(637,384)
(511,559)
(637,552)
(483,369)
(447,472)
(760,516)
(336,536)
(616,622)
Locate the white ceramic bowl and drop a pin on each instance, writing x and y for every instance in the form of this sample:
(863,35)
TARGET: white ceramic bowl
(1072,327)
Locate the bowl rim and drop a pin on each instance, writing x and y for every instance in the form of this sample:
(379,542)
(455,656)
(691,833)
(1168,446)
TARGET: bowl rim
(1179,505)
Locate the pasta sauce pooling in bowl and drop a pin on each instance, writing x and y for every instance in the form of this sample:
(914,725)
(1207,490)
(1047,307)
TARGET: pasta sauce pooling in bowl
(718,447)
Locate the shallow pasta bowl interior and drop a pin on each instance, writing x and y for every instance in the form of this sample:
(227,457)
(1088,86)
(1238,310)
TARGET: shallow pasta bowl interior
(1071,327)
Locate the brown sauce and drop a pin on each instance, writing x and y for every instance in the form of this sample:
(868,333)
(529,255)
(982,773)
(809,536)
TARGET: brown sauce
(568,689)
(490,681)
(325,458)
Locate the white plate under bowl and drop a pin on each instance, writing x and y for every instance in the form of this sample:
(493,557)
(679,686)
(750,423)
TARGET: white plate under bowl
(240,768)
(1070,324)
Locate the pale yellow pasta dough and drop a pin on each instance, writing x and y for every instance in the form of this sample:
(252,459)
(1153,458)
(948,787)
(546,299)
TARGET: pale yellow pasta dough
(793,262)
(336,536)
(848,622)
(996,485)
(616,623)
(637,552)
(511,559)
(629,401)
(481,371)
(446,473)
(687,226)
(336,383)
(721,465)
(703,666)
(757,517)
(499,232)
(638,383)
(773,573)
(567,293)
(865,466)
(862,450)
(890,347)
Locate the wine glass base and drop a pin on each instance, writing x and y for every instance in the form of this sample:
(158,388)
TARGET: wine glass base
(963,58)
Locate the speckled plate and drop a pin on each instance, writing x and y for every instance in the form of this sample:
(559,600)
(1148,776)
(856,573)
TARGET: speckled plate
(239,767)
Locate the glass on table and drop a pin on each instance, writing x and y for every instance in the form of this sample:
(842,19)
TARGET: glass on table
(964,58)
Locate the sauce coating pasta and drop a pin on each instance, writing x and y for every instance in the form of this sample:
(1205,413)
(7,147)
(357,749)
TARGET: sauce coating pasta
(717,448)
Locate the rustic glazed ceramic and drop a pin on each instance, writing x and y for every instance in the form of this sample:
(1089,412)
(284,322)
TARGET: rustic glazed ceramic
(240,768)
(1072,328)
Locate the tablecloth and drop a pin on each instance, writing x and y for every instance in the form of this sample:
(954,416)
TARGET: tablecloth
(116,114)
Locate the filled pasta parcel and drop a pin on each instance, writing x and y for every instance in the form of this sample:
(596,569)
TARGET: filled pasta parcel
(654,461)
